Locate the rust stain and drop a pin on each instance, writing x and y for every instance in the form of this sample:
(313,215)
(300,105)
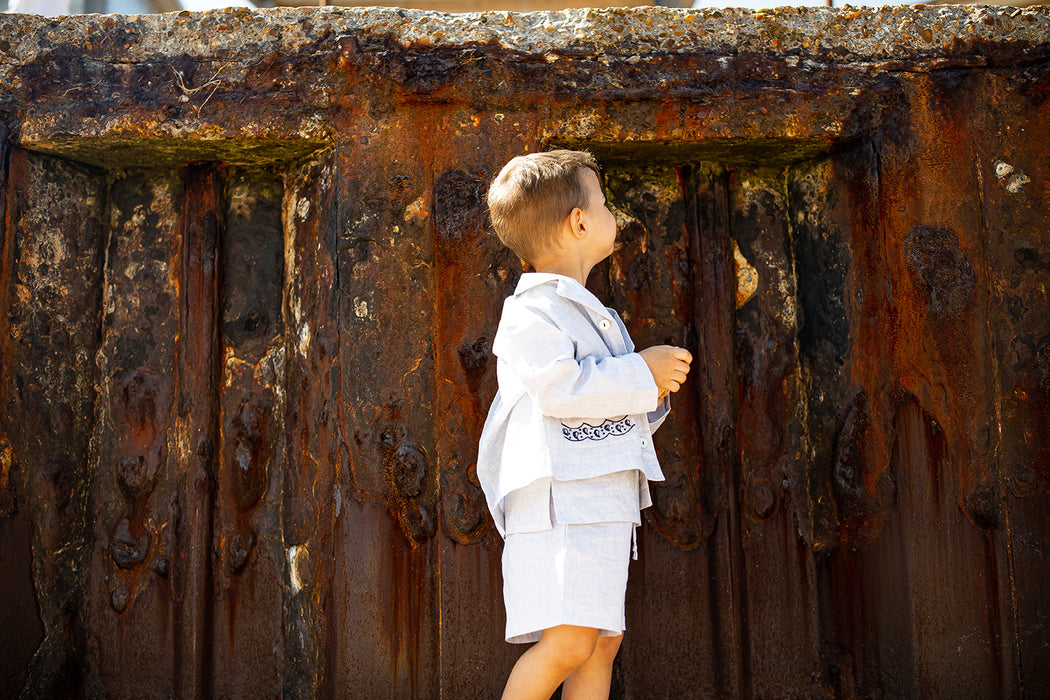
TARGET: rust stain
(198,362)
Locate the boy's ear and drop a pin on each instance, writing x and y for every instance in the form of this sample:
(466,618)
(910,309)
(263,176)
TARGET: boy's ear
(576,223)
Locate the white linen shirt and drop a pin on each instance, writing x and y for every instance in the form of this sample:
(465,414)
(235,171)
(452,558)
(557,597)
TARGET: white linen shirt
(575,402)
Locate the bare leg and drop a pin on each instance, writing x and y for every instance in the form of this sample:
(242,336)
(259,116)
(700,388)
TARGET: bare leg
(592,679)
(540,670)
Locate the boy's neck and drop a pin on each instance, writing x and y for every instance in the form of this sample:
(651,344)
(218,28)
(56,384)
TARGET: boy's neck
(576,269)
(573,258)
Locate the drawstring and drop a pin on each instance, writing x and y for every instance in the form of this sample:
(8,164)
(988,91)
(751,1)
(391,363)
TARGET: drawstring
(634,543)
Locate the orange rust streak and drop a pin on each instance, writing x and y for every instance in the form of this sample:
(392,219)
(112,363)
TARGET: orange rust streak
(198,361)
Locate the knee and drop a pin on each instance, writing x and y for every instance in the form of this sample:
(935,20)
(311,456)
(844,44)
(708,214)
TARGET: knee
(571,646)
(607,648)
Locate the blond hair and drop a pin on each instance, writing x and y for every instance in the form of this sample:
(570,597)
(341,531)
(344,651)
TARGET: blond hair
(532,195)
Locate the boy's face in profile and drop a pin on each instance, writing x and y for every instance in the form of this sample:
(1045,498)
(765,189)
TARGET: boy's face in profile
(599,221)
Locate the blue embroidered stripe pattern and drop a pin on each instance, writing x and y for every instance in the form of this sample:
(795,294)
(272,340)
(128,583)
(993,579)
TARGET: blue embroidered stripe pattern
(597,432)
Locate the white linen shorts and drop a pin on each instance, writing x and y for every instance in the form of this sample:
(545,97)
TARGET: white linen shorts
(568,575)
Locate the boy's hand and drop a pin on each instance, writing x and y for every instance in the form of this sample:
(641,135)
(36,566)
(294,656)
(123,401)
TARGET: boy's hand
(669,366)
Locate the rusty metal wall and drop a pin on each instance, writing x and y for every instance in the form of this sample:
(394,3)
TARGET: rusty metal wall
(246,307)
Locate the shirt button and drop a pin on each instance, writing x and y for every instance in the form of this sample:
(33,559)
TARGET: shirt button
(605,324)
(645,443)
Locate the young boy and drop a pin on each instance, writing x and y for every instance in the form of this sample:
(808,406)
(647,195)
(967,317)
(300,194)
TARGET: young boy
(566,453)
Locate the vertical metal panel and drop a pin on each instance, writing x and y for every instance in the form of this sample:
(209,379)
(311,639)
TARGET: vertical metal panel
(249,557)
(784,655)
(674,269)
(198,363)
(458,218)
(1008,138)
(651,282)
(135,466)
(827,199)
(386,321)
(473,273)
(937,361)
(311,350)
(150,394)
(911,449)
(50,287)
(710,244)
(16,526)
(834,218)
(861,594)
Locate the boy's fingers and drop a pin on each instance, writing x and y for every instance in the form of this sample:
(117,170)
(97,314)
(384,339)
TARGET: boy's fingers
(682,354)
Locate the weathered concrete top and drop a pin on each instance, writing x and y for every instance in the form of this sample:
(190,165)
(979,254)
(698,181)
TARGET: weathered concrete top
(272,85)
(848,34)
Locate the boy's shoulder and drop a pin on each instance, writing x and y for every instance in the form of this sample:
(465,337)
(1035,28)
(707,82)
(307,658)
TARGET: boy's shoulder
(534,300)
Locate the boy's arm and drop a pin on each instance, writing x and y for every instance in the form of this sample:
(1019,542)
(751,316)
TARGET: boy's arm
(542,357)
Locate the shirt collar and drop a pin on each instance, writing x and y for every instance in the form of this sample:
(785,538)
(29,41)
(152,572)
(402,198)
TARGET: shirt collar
(567,287)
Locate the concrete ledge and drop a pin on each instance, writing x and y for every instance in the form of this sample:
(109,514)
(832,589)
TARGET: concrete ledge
(845,34)
(273,85)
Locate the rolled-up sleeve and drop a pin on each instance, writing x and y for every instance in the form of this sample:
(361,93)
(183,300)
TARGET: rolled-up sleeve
(656,418)
(542,357)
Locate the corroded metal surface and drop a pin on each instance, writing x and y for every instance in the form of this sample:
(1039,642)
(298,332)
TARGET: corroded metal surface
(247,299)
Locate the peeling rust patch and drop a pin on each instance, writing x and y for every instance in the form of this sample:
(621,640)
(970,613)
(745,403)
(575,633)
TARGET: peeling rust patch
(934,255)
